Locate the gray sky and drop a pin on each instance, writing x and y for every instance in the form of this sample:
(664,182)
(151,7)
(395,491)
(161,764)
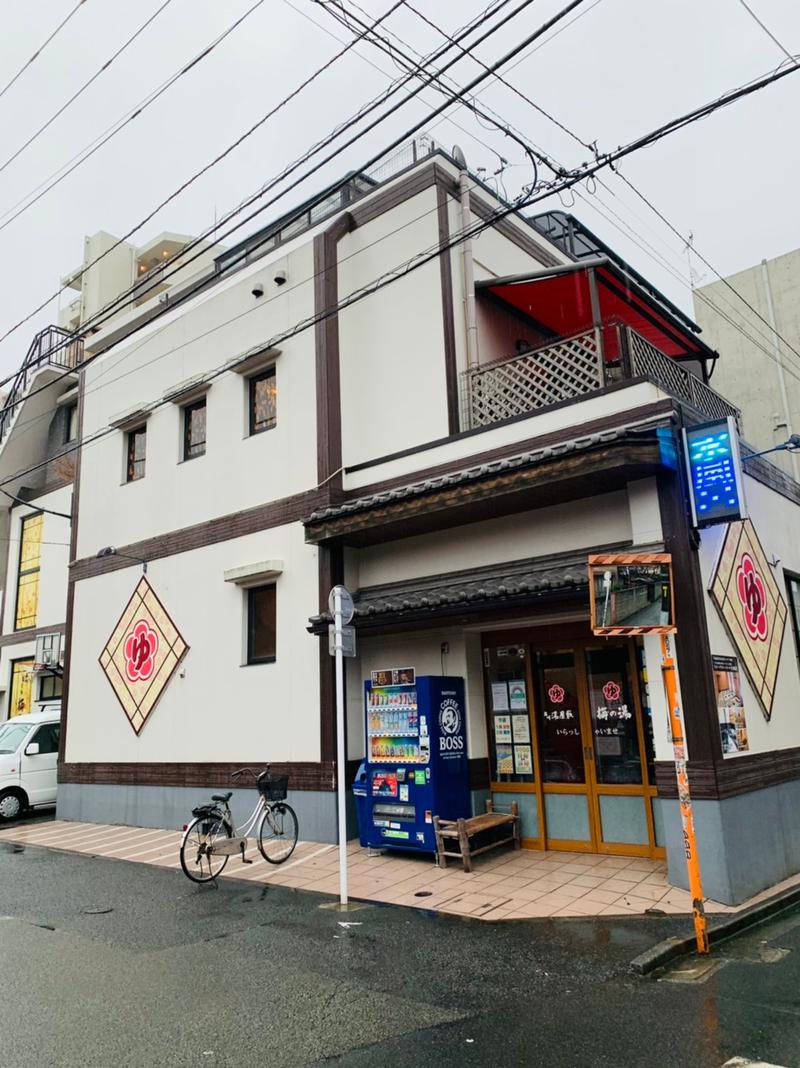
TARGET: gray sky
(623,67)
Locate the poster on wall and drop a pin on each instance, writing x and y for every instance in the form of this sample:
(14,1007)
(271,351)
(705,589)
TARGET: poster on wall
(521,728)
(518,696)
(502,729)
(499,696)
(505,760)
(730,706)
(523,760)
(752,608)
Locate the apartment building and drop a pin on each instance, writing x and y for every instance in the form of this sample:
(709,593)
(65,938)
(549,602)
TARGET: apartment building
(452,445)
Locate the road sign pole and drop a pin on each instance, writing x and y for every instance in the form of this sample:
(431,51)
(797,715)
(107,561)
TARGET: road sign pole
(341,757)
(684,797)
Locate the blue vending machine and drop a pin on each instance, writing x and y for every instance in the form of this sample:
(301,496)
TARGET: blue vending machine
(416,759)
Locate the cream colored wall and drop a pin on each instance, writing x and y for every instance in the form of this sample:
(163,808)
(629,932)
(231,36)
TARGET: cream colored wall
(777,522)
(237,471)
(214,709)
(422,651)
(391,344)
(600,520)
(547,421)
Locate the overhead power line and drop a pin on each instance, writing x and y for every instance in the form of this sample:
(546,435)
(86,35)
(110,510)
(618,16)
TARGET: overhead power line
(433,252)
(89,150)
(214,230)
(767,31)
(84,87)
(41,48)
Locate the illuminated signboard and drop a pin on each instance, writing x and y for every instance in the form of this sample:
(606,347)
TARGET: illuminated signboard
(716,490)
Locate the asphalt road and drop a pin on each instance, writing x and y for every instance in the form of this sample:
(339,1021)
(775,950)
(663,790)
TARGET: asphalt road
(178,975)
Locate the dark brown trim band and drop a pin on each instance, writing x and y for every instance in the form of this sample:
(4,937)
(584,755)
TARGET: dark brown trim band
(731,778)
(199,535)
(691,639)
(303,775)
(73,551)
(20,636)
(448,317)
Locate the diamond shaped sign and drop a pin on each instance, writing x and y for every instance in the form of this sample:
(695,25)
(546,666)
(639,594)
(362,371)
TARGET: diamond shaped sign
(751,606)
(142,654)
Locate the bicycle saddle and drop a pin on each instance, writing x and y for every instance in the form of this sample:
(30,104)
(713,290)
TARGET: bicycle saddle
(222,797)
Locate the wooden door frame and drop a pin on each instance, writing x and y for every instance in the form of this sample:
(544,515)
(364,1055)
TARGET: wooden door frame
(577,644)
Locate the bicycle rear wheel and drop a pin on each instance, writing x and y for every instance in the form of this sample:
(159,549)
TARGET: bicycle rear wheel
(200,865)
(277,832)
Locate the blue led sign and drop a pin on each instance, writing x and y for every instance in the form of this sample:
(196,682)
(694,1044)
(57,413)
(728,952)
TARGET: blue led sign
(715,472)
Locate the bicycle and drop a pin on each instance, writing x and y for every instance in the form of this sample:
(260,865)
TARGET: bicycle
(211,838)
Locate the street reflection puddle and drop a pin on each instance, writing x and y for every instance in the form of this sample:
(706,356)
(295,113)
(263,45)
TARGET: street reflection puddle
(693,970)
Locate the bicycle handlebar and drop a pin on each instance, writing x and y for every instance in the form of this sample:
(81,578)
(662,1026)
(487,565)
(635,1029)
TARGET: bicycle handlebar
(249,771)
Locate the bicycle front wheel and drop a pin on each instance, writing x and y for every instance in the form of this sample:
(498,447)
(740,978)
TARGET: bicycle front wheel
(198,860)
(277,833)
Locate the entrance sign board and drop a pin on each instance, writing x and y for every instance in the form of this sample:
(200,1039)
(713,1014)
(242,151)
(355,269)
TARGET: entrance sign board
(714,469)
(750,604)
(631,593)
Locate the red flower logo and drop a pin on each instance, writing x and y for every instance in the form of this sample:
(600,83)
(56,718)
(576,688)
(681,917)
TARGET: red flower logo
(751,592)
(556,694)
(611,691)
(140,650)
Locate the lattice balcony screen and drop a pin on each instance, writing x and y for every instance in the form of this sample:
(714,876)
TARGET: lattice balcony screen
(505,388)
(648,361)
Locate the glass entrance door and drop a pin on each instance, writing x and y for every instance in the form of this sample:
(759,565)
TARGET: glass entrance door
(594,749)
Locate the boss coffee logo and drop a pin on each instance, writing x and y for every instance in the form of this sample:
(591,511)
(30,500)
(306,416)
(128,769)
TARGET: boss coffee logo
(450,737)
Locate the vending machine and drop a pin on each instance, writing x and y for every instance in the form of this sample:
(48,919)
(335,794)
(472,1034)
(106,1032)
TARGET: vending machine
(416,758)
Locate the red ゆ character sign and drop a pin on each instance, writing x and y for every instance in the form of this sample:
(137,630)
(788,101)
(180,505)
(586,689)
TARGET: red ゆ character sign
(140,650)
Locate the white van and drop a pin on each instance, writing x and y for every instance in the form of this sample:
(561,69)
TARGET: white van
(28,759)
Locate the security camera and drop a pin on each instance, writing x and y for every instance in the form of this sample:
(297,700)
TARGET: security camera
(258,289)
(280,277)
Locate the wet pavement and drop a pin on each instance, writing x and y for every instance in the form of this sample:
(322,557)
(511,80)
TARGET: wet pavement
(113,963)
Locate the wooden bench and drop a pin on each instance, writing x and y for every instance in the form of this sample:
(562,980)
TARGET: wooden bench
(464,830)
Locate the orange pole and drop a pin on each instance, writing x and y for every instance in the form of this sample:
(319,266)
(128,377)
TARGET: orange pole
(684,797)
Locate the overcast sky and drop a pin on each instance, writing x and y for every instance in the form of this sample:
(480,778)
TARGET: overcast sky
(621,68)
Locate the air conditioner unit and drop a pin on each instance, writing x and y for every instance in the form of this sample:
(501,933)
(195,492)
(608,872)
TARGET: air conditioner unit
(48,652)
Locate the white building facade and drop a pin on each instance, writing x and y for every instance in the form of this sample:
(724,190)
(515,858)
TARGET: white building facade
(289,425)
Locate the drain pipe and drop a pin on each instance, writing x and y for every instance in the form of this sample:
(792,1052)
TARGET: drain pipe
(470,319)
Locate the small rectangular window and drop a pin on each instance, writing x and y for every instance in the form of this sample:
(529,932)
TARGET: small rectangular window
(71,423)
(50,688)
(261,625)
(137,453)
(263,401)
(194,429)
(30,557)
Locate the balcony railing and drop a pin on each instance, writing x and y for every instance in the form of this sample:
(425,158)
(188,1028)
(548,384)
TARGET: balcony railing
(573,367)
(52,347)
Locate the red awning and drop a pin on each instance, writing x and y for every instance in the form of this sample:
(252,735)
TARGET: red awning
(561,302)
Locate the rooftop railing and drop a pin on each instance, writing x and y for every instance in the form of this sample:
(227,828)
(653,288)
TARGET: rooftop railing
(52,347)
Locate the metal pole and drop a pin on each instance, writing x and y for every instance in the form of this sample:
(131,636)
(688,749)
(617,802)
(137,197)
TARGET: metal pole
(684,797)
(341,757)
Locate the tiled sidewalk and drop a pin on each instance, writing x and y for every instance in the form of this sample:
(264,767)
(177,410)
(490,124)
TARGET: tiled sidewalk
(504,885)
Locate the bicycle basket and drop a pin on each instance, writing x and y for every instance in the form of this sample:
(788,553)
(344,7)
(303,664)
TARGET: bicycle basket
(273,787)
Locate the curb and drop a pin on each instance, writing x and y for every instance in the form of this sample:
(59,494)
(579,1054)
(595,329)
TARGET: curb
(663,952)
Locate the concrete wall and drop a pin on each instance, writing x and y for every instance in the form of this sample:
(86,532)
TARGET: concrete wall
(746,373)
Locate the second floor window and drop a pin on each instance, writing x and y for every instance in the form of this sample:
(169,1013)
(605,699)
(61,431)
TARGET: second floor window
(194,429)
(263,401)
(137,452)
(71,428)
(30,558)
